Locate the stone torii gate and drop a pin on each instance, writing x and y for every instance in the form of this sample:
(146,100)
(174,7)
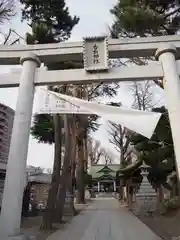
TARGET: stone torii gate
(96,57)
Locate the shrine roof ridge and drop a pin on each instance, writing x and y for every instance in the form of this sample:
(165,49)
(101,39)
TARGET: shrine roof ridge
(101,164)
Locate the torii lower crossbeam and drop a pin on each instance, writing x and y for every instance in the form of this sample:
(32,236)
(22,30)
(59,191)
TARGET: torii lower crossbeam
(152,71)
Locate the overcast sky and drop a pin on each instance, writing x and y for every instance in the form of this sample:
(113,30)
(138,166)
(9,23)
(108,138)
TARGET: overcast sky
(94,20)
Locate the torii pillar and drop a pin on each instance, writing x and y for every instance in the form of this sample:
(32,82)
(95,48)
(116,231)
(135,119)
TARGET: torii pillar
(10,219)
(167,55)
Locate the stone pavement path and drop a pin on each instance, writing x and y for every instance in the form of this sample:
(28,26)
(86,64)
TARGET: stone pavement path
(105,220)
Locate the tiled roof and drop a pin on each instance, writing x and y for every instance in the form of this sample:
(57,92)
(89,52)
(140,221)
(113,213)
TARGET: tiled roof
(97,170)
(40,178)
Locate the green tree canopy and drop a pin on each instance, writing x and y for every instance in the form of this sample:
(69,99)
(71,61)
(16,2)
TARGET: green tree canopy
(157,152)
(53,15)
(145,18)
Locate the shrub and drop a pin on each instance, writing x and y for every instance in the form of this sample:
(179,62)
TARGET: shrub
(172,204)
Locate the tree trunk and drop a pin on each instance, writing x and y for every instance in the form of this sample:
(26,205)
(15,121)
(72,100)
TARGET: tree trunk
(48,215)
(177,187)
(85,154)
(160,198)
(66,171)
(177,184)
(121,188)
(173,190)
(80,171)
(121,193)
(80,197)
(70,206)
(26,200)
(128,194)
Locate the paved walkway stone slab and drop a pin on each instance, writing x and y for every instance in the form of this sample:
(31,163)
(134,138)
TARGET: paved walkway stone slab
(105,220)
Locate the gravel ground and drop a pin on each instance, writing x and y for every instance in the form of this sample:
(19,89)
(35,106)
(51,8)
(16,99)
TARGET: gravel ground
(31,225)
(166,226)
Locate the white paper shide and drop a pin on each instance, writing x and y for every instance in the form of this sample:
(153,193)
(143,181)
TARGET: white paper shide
(138,121)
(50,104)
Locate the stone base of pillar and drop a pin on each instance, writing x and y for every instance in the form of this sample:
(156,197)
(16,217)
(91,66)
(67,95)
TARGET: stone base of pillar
(22,237)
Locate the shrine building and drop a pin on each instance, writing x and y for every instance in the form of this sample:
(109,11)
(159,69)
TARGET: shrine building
(104,177)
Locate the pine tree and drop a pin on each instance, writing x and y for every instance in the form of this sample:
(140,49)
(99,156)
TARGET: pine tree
(145,18)
(157,152)
(52,19)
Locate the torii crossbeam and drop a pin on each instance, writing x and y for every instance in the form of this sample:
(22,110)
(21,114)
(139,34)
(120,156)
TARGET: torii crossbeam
(73,51)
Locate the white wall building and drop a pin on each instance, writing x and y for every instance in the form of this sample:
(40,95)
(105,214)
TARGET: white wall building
(6,124)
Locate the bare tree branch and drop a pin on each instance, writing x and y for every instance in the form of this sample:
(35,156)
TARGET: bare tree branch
(9,38)
(120,138)
(142,95)
(15,41)
(108,157)
(97,152)
(7,8)
(94,150)
(20,37)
